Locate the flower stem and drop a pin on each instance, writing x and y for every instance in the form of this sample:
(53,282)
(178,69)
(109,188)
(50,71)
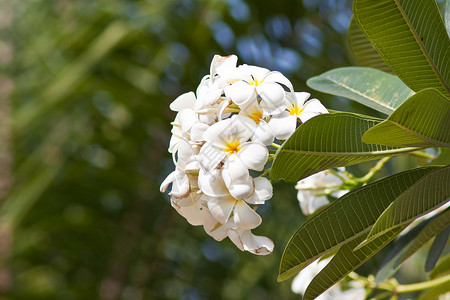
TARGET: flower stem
(374,170)
(422,285)
(274,145)
(422,155)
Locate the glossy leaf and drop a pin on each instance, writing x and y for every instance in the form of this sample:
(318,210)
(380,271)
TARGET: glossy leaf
(436,249)
(442,267)
(327,141)
(389,265)
(430,231)
(345,261)
(430,192)
(443,159)
(410,37)
(374,88)
(342,221)
(363,51)
(422,121)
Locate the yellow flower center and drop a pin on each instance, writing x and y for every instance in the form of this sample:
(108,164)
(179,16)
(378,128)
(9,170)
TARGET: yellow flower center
(295,110)
(232,147)
(256,115)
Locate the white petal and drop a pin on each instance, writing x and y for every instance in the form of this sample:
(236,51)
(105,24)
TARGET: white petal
(245,217)
(240,92)
(263,134)
(197,131)
(211,183)
(221,207)
(309,203)
(222,64)
(241,128)
(169,179)
(276,76)
(180,186)
(236,177)
(283,125)
(312,108)
(210,156)
(259,245)
(234,236)
(258,73)
(304,278)
(301,97)
(187,118)
(254,155)
(184,101)
(263,191)
(272,96)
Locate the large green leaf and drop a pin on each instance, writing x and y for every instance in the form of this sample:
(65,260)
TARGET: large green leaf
(410,37)
(433,228)
(422,121)
(428,193)
(345,261)
(442,268)
(374,88)
(363,51)
(345,219)
(327,141)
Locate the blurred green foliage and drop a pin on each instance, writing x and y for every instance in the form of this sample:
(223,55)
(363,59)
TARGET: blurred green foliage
(85,88)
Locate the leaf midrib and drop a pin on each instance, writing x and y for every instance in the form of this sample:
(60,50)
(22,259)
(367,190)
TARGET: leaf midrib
(422,47)
(359,93)
(402,150)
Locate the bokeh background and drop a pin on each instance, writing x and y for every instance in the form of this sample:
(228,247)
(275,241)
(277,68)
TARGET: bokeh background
(85,87)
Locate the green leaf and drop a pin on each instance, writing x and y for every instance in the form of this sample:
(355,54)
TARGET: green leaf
(389,265)
(432,228)
(436,249)
(428,193)
(327,141)
(422,121)
(443,159)
(347,218)
(345,261)
(410,37)
(442,268)
(374,88)
(363,51)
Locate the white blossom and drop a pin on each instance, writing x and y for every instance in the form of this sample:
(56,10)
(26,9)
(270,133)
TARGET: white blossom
(284,124)
(313,189)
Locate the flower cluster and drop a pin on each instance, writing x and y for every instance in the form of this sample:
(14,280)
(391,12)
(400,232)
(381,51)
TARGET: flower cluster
(220,140)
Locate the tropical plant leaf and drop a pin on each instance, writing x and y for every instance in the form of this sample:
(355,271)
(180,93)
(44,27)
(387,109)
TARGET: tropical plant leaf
(442,268)
(432,228)
(422,121)
(436,249)
(443,159)
(327,141)
(363,51)
(389,265)
(345,261)
(373,88)
(410,37)
(347,218)
(426,194)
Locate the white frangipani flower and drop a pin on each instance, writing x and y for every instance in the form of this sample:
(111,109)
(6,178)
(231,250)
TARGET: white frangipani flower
(260,83)
(263,132)
(313,189)
(229,139)
(224,206)
(284,124)
(211,87)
